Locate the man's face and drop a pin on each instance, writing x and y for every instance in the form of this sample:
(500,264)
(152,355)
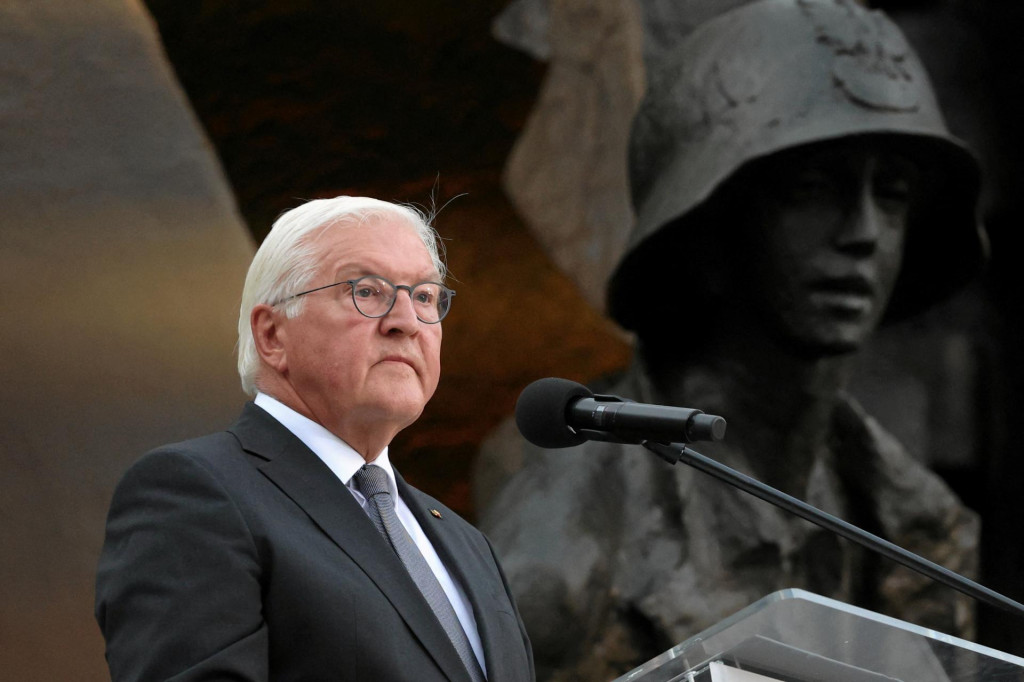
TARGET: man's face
(828,223)
(353,373)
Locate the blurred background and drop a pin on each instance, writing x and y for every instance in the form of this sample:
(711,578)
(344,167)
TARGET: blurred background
(146,148)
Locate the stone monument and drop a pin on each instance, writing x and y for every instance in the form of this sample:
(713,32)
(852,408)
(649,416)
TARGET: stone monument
(795,186)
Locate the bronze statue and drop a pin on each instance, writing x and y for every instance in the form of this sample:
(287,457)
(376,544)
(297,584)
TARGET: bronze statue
(795,186)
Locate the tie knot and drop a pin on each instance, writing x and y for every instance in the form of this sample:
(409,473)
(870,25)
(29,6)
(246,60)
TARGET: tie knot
(371,480)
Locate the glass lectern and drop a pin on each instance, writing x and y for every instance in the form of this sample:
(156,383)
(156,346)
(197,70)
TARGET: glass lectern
(797,636)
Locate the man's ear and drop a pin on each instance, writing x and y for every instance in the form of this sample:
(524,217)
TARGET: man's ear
(269,336)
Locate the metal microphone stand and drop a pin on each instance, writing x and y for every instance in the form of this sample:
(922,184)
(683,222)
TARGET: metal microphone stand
(675,452)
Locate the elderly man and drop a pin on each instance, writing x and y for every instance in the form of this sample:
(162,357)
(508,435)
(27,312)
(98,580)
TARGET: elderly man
(795,186)
(287,547)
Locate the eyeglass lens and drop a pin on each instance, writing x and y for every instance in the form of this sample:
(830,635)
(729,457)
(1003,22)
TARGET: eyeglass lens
(375,296)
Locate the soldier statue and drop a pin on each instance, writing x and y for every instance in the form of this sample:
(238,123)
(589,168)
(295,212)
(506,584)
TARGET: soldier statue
(795,186)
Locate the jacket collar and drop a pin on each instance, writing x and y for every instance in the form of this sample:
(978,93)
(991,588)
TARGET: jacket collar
(304,478)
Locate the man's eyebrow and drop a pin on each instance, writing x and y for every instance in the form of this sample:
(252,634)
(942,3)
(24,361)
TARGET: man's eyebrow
(352,269)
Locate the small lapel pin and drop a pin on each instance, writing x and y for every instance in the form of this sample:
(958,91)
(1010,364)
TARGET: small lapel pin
(436,514)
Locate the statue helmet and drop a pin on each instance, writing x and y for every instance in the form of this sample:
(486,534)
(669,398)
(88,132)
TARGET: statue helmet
(774,75)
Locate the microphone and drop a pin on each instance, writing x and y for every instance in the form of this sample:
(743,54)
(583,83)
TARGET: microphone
(558,413)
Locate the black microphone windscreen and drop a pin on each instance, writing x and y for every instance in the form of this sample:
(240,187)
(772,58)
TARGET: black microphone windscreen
(541,412)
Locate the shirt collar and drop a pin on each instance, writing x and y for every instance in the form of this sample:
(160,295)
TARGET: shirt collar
(335,453)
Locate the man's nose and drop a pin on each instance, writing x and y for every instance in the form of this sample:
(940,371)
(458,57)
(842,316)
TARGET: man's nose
(402,316)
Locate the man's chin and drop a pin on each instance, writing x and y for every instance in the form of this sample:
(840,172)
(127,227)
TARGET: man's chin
(397,402)
(401,410)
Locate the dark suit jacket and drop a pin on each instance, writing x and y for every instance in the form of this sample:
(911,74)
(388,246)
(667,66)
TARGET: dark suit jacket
(241,556)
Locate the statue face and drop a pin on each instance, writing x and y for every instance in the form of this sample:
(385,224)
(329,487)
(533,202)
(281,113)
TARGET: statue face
(828,224)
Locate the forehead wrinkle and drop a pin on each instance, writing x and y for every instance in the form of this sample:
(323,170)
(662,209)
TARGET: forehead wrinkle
(342,260)
(355,270)
(351,266)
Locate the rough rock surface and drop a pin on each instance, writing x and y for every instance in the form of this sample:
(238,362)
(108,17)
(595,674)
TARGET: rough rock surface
(122,262)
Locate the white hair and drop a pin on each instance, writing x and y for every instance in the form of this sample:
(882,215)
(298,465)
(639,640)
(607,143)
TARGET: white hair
(286,261)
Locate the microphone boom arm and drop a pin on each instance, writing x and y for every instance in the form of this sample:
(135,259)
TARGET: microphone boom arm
(675,452)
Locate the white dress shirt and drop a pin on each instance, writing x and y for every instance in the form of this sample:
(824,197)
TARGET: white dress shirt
(344,462)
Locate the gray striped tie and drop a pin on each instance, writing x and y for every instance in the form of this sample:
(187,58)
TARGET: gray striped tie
(372,482)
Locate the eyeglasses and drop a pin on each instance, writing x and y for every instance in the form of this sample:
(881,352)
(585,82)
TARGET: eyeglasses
(375,296)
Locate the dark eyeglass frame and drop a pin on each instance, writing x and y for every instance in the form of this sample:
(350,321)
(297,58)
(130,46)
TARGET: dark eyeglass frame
(408,287)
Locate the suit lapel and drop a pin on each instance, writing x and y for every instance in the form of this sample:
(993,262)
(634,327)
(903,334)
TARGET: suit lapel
(304,478)
(476,579)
